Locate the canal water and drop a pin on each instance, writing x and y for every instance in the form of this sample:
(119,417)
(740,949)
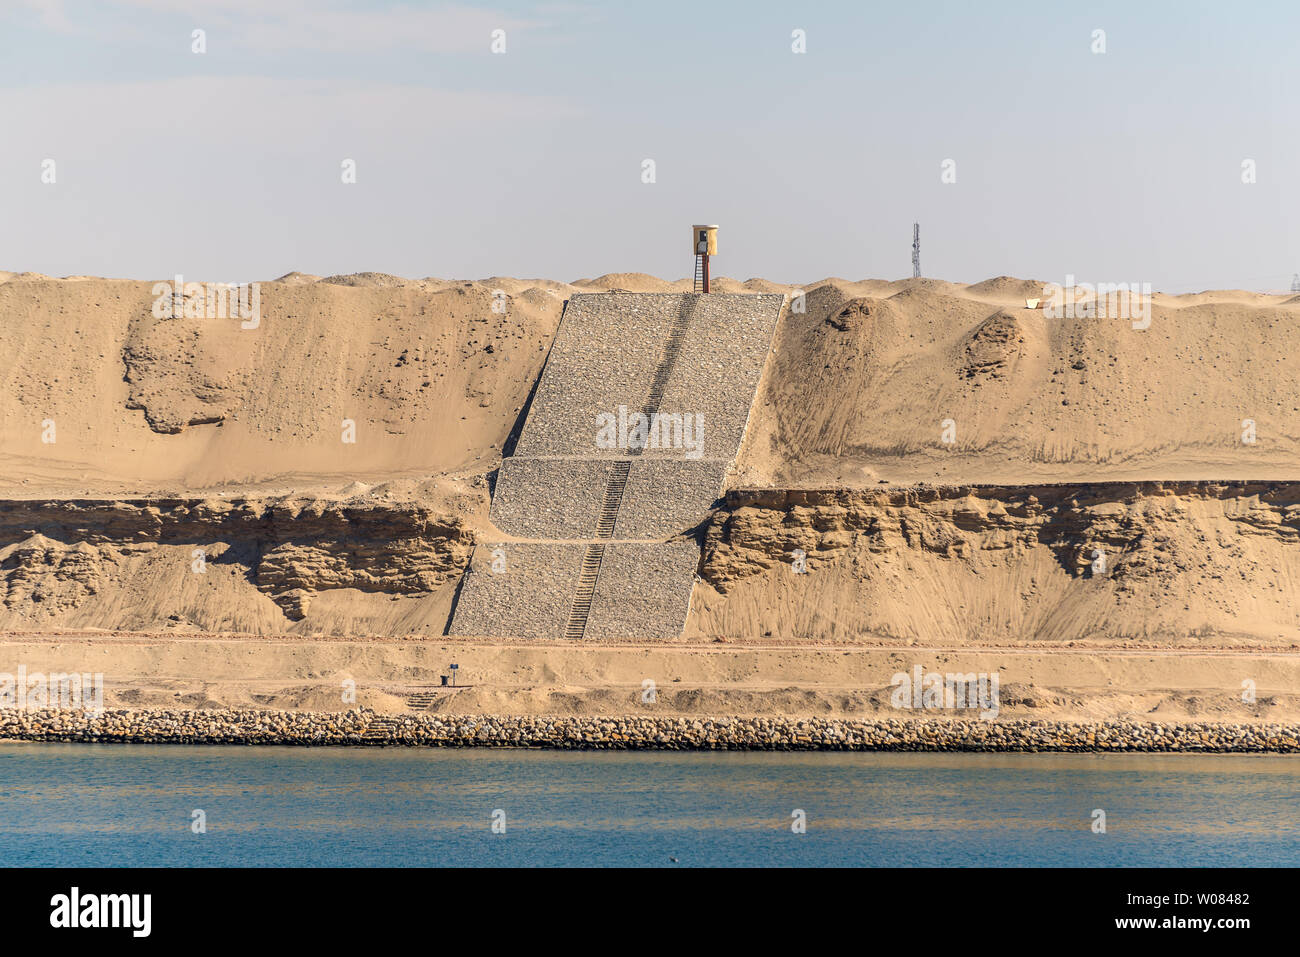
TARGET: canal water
(151,805)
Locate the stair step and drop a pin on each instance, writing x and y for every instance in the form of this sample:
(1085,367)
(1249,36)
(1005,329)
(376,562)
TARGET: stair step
(585,591)
(672,353)
(613,499)
(378,728)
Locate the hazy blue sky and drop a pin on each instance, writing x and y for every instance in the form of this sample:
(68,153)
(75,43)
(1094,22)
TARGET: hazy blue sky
(226,165)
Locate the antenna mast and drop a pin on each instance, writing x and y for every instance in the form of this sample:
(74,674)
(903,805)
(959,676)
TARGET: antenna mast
(916,250)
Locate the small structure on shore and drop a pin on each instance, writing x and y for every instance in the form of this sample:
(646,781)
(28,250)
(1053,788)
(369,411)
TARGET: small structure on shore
(704,240)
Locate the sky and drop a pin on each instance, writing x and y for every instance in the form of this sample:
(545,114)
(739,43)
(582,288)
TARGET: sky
(228,165)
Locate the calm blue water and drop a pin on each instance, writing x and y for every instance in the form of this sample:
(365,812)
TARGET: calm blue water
(112,805)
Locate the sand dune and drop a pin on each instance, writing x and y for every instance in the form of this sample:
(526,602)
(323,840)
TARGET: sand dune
(431,376)
(434,378)
(861,386)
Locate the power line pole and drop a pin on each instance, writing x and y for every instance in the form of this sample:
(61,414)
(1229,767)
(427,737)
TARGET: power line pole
(916,250)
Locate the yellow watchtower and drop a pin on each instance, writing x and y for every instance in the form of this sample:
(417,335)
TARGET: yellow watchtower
(704,243)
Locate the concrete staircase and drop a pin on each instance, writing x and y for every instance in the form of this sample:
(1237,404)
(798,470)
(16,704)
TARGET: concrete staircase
(380,729)
(613,499)
(603,553)
(586,591)
(672,351)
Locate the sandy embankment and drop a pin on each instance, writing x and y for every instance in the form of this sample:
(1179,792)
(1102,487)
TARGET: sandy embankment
(434,378)
(749,680)
(180,434)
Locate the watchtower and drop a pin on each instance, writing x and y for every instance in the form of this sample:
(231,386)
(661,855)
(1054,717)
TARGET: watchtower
(704,242)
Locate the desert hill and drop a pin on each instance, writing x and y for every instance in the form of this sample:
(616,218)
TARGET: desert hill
(1067,435)
(863,377)
(431,376)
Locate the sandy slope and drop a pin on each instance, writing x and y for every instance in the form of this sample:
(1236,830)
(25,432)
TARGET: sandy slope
(862,378)
(434,380)
(741,679)
(863,381)
(432,377)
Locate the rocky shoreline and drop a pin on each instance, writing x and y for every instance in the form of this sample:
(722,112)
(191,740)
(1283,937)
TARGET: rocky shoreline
(638,732)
